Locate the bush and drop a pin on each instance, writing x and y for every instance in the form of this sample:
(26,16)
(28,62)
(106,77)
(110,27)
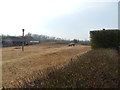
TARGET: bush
(105,38)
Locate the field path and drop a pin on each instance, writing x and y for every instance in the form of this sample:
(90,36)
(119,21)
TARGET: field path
(18,66)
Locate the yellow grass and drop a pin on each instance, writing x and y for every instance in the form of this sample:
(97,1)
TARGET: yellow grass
(20,67)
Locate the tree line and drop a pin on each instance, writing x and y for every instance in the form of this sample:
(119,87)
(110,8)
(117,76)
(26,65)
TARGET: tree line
(45,38)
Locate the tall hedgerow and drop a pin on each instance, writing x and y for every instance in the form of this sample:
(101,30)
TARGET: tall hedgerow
(105,38)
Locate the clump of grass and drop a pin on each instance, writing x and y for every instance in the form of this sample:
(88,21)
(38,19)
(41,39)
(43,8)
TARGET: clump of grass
(95,69)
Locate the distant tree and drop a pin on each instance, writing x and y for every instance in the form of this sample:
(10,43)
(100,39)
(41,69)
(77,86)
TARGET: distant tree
(103,29)
(43,38)
(28,37)
(86,42)
(75,41)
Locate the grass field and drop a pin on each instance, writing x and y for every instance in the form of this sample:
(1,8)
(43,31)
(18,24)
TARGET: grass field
(19,68)
(94,69)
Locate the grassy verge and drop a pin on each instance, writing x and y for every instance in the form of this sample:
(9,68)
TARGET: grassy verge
(95,69)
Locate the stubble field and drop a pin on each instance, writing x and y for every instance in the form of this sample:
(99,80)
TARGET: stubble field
(20,67)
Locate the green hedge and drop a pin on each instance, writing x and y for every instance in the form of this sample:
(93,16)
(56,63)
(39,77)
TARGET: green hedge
(105,38)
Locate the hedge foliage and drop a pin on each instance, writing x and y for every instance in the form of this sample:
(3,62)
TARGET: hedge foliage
(105,38)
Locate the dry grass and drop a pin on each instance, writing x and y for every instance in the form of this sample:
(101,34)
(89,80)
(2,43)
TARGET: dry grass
(20,67)
(95,69)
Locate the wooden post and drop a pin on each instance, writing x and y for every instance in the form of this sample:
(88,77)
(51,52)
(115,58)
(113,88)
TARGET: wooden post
(23,40)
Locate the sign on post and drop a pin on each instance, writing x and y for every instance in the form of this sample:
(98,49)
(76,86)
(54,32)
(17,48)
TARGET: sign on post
(23,40)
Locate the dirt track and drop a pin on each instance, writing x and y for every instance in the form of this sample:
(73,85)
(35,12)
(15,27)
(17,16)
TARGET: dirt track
(18,66)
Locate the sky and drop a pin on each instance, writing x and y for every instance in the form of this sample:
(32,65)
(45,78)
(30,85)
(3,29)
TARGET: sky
(68,19)
(119,15)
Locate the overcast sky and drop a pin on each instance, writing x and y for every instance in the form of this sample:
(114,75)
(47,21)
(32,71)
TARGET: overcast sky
(66,19)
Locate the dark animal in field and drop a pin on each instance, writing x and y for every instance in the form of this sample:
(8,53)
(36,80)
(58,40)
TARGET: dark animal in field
(71,44)
(18,47)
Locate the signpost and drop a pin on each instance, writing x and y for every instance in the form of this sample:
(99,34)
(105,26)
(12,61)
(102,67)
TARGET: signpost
(23,40)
